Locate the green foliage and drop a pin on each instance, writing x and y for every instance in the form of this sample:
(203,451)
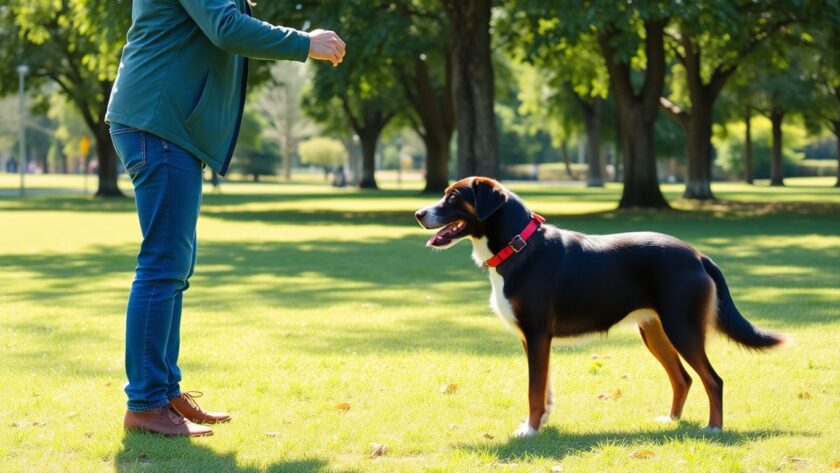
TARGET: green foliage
(729,143)
(253,154)
(325,152)
(74,43)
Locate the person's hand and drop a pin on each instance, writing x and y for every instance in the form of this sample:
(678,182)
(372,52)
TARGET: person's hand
(326,46)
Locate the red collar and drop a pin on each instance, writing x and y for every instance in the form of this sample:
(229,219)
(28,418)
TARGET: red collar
(517,243)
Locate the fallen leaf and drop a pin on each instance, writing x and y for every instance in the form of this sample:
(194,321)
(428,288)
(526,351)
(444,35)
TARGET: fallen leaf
(272,434)
(38,423)
(108,383)
(449,389)
(88,435)
(488,436)
(377,450)
(836,464)
(642,454)
(804,395)
(614,396)
(625,376)
(342,407)
(556,468)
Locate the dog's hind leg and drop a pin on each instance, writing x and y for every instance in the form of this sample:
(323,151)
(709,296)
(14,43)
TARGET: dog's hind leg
(659,345)
(538,349)
(685,316)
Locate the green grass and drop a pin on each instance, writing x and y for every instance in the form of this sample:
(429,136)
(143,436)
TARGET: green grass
(306,297)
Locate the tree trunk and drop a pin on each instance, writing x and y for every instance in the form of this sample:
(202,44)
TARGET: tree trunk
(567,160)
(107,158)
(641,184)
(435,109)
(637,113)
(698,146)
(592,122)
(836,126)
(776,118)
(437,164)
(748,151)
(368,141)
(473,87)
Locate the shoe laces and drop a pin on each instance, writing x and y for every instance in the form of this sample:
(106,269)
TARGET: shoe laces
(191,396)
(169,413)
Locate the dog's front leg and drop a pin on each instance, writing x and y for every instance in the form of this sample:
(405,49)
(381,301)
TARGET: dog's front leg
(538,350)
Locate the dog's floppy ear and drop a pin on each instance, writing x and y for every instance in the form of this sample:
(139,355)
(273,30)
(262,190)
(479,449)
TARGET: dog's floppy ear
(489,197)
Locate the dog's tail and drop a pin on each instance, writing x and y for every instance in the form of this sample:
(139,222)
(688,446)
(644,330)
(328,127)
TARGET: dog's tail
(732,323)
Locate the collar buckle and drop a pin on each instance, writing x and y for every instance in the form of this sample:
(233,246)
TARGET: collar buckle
(517,244)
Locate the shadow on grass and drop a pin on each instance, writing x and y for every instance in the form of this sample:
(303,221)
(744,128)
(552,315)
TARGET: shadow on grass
(557,445)
(142,452)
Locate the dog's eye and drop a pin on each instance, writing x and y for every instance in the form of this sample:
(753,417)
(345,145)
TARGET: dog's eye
(452,199)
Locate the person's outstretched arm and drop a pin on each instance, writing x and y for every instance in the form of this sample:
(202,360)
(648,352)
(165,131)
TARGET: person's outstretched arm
(235,32)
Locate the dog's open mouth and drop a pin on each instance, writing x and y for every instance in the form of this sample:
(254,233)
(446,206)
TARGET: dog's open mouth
(447,234)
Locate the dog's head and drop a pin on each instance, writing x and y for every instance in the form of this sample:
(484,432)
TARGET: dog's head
(463,211)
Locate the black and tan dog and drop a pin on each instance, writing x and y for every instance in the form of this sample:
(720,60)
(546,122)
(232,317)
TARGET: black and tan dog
(548,283)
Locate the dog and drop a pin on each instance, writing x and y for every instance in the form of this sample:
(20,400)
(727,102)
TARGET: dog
(547,283)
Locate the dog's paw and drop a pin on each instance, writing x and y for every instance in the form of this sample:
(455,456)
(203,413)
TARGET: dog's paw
(665,419)
(524,430)
(712,430)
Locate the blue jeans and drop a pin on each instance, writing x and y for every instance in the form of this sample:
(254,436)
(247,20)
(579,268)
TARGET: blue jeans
(167,187)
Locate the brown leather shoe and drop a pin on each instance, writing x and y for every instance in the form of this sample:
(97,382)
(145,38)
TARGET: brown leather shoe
(164,421)
(186,405)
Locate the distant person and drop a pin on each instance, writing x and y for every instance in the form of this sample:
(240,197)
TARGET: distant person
(177,103)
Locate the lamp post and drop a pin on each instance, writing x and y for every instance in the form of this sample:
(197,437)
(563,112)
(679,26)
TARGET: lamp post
(22,70)
(355,160)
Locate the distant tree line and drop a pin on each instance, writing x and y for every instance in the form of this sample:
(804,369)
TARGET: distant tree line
(631,73)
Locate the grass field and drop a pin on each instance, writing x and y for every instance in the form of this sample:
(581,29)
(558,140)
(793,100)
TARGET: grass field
(306,297)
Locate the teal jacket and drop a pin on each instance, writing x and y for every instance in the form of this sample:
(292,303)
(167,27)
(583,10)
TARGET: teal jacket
(183,71)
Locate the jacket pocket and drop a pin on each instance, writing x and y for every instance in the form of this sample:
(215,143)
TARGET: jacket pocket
(202,102)
(130,144)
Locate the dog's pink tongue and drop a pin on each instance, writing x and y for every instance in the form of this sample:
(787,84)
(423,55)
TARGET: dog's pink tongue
(434,241)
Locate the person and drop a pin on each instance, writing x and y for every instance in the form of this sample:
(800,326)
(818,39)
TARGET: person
(176,106)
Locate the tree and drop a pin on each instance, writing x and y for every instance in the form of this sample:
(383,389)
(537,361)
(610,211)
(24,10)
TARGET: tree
(423,65)
(279,102)
(623,33)
(827,77)
(785,87)
(710,40)
(472,81)
(325,152)
(363,89)
(630,37)
(396,64)
(573,69)
(75,44)
(254,155)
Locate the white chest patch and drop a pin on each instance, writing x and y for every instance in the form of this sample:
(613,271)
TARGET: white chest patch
(498,301)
